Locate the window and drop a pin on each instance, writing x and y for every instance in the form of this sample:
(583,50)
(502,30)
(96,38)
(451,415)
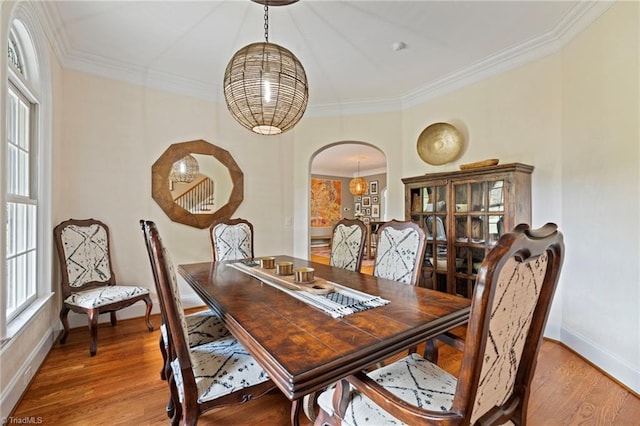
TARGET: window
(21,207)
(25,182)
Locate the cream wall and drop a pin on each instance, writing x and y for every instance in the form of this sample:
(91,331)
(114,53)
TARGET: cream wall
(601,193)
(113,132)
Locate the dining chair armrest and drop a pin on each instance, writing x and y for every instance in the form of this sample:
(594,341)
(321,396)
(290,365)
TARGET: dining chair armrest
(395,406)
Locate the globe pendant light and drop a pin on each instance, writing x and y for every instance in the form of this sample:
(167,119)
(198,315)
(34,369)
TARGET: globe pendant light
(358,185)
(185,170)
(265,85)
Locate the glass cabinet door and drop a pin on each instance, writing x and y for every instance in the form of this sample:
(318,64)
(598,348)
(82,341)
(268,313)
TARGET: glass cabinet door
(479,217)
(429,210)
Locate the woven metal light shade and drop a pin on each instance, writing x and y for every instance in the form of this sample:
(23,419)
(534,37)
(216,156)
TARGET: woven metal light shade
(265,88)
(185,169)
(358,186)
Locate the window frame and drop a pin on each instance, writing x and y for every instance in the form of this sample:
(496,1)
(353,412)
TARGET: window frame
(36,85)
(31,199)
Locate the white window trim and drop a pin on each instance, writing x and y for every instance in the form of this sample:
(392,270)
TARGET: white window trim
(28,16)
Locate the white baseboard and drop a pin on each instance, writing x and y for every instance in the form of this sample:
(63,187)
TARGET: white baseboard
(619,370)
(22,377)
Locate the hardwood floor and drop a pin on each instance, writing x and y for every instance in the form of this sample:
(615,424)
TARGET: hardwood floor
(121,386)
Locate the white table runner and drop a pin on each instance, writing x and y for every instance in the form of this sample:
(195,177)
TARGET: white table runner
(338,303)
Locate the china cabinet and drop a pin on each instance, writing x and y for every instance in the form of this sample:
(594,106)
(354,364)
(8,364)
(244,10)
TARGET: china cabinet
(463,214)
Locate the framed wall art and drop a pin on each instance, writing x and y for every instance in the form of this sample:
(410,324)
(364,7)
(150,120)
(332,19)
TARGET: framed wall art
(373,187)
(326,202)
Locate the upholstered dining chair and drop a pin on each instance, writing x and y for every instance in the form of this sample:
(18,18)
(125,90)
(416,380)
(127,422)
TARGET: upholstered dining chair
(509,309)
(400,251)
(348,239)
(88,282)
(202,326)
(231,239)
(215,374)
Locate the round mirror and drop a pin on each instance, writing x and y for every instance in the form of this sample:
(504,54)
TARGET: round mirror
(196,183)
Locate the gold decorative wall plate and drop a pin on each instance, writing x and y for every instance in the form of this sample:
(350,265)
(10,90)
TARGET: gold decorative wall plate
(439,143)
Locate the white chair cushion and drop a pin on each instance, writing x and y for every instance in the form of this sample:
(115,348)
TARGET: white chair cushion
(100,296)
(220,368)
(413,379)
(203,327)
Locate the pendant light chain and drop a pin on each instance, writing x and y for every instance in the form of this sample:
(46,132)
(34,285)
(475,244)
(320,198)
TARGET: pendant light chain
(266,22)
(265,85)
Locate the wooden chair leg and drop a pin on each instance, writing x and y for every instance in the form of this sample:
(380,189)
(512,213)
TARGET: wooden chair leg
(93,329)
(163,351)
(147,315)
(431,351)
(65,324)
(114,318)
(170,409)
(174,407)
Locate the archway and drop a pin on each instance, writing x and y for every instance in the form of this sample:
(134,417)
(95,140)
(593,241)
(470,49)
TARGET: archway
(331,170)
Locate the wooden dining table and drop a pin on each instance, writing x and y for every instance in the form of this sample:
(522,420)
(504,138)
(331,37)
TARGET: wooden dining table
(302,348)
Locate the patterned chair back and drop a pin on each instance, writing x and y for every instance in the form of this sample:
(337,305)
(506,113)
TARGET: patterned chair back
(231,239)
(510,307)
(347,244)
(86,259)
(400,252)
(170,302)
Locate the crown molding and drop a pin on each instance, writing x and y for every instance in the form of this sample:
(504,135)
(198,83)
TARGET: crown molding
(583,14)
(577,20)
(70,58)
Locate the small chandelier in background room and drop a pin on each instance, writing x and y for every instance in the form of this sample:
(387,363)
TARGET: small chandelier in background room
(358,185)
(265,85)
(184,170)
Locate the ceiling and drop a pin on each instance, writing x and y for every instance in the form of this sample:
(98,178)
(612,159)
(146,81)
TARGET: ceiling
(349,160)
(358,55)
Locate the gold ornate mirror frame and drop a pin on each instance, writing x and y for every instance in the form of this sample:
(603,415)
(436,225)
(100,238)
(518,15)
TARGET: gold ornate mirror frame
(160,183)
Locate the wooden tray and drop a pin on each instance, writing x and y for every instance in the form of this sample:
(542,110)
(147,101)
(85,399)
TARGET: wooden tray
(317,286)
(477,164)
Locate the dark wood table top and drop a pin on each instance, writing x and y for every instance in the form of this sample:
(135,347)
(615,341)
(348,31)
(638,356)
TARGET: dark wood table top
(304,349)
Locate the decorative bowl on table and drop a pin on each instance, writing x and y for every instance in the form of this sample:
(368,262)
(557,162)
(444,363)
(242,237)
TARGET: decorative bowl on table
(284,268)
(303,275)
(268,262)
